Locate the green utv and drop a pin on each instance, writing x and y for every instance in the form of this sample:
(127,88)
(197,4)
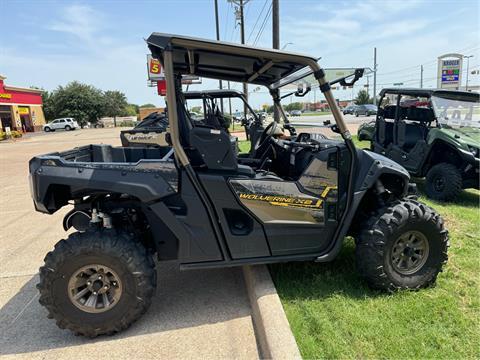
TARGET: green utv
(433,134)
(294,198)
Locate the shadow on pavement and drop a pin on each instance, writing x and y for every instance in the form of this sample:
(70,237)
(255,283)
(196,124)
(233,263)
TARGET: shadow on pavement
(183,300)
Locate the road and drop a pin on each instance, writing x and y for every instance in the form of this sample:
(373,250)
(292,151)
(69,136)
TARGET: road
(315,120)
(195,314)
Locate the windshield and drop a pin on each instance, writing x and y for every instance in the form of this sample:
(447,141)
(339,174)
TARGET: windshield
(457,113)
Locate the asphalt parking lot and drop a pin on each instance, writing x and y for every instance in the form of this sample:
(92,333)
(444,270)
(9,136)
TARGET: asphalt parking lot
(195,314)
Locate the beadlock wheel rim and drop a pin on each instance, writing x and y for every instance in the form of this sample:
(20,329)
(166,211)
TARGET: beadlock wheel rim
(94,288)
(409,252)
(439,184)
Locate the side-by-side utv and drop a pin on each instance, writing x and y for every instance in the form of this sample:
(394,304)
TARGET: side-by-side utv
(433,133)
(294,199)
(152,131)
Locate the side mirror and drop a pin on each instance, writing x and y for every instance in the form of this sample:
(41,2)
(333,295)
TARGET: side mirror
(299,89)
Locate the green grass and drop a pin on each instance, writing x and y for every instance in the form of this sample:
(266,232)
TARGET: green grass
(317,113)
(244,146)
(333,314)
(360,144)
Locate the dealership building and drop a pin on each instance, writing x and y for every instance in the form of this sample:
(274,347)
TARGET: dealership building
(20,108)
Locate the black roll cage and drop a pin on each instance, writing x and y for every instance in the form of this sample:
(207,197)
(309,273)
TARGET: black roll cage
(226,61)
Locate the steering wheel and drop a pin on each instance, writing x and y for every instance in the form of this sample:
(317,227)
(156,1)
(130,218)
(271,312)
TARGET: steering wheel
(266,135)
(262,145)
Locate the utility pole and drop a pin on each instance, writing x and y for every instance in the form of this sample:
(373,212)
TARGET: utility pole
(276,43)
(468,70)
(242,39)
(421,76)
(374,76)
(217,26)
(368,85)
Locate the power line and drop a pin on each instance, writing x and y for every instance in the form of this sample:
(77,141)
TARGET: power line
(227,16)
(256,22)
(263,25)
(425,64)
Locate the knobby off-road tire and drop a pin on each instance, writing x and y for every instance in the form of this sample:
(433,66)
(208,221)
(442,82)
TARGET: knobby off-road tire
(404,233)
(127,268)
(443,182)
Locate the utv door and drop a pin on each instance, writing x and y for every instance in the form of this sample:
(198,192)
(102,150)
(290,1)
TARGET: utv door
(298,216)
(263,215)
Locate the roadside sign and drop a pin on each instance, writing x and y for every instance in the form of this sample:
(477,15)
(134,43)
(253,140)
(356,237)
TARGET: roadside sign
(155,70)
(155,73)
(162,87)
(8,131)
(450,71)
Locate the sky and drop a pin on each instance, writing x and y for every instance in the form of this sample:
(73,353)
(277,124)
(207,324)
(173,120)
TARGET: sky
(50,43)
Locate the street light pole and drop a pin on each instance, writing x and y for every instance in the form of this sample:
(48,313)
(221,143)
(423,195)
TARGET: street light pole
(468,69)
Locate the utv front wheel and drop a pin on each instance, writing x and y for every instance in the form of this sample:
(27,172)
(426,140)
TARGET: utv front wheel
(403,246)
(443,182)
(97,283)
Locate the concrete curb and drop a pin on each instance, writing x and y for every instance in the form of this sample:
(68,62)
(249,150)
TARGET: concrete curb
(272,329)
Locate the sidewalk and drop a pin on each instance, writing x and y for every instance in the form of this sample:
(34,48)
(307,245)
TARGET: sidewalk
(195,314)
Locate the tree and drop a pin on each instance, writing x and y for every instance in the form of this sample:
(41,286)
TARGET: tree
(197,109)
(48,105)
(114,104)
(363,98)
(133,110)
(294,106)
(147,106)
(80,101)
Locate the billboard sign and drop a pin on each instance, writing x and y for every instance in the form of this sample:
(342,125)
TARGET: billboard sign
(155,70)
(450,71)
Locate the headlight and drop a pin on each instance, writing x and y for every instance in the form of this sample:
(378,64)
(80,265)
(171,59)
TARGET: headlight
(475,151)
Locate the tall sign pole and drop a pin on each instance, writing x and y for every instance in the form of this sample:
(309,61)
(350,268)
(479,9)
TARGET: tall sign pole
(374,76)
(468,70)
(276,42)
(421,76)
(217,27)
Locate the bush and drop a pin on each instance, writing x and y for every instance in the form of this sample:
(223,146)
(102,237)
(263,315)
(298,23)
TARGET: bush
(14,134)
(127,124)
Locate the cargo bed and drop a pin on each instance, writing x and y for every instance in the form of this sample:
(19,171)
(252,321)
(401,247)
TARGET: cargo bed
(145,173)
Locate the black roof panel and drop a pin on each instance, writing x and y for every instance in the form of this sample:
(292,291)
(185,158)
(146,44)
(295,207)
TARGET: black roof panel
(227,61)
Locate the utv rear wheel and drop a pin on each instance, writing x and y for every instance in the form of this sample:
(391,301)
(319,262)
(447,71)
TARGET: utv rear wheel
(97,283)
(403,246)
(443,182)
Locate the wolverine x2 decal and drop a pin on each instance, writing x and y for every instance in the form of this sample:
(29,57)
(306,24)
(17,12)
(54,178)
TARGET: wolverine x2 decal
(284,202)
(288,201)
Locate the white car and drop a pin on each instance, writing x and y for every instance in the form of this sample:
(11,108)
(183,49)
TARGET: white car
(63,123)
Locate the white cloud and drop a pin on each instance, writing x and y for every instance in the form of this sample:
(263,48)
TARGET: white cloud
(79,21)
